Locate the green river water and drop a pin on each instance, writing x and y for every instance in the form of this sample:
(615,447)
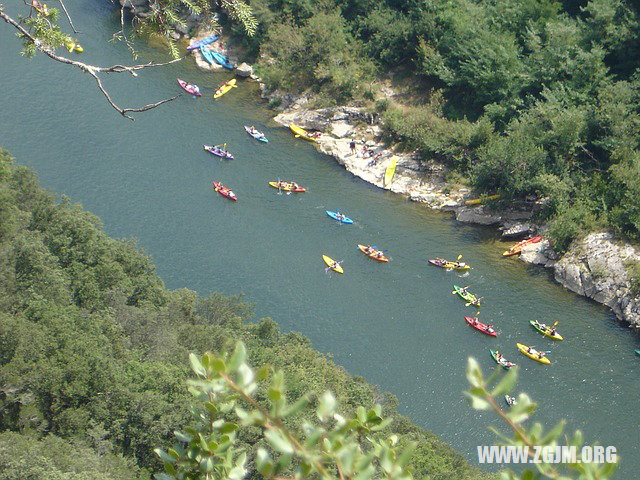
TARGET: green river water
(395,324)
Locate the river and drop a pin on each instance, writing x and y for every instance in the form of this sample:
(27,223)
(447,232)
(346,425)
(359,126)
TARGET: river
(395,324)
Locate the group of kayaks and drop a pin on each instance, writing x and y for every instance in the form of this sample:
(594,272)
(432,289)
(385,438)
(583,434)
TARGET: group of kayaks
(193,89)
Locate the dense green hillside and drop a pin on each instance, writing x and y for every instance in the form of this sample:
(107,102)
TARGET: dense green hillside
(94,350)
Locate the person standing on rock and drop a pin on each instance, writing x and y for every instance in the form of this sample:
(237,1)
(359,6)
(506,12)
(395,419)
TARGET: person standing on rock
(352,146)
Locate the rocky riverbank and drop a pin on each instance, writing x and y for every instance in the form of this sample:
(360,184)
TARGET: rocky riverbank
(596,266)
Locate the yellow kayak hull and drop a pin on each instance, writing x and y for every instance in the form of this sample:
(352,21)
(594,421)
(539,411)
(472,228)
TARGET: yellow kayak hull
(523,350)
(329,261)
(301,132)
(363,249)
(390,171)
(224,89)
(479,201)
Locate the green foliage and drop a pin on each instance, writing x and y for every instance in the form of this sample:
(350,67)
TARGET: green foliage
(571,221)
(482,396)
(633,272)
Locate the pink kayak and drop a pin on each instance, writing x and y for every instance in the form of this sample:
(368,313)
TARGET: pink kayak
(191,89)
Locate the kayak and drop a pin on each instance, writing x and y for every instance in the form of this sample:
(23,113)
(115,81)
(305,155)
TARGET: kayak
(517,248)
(40,8)
(225,88)
(224,191)
(335,216)
(301,132)
(73,46)
(504,363)
(204,41)
(207,54)
(391,169)
(258,135)
(442,263)
(510,400)
(466,296)
(218,151)
(189,88)
(523,350)
(373,255)
(479,201)
(545,331)
(480,326)
(288,187)
(330,261)
(637,351)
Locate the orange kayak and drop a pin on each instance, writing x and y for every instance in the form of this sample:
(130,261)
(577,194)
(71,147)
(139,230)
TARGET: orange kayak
(517,248)
(374,255)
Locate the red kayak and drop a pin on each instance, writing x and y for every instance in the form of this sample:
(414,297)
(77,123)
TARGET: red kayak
(517,248)
(224,191)
(191,89)
(480,326)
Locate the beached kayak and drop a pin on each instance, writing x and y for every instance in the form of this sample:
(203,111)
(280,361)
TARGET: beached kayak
(478,201)
(225,88)
(376,254)
(517,248)
(189,88)
(442,263)
(215,150)
(466,296)
(480,326)
(207,54)
(337,216)
(204,41)
(330,263)
(545,330)
(222,60)
(503,363)
(301,132)
(288,187)
(224,191)
(257,135)
(389,172)
(523,350)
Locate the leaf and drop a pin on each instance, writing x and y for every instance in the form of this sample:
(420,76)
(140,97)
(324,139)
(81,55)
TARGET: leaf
(326,406)
(196,366)
(163,476)
(361,413)
(554,433)
(164,456)
(474,374)
(299,404)
(506,383)
(228,427)
(477,403)
(182,437)
(237,357)
(278,442)
(206,465)
(264,464)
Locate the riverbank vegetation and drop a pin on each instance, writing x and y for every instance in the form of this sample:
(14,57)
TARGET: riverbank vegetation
(526,98)
(94,351)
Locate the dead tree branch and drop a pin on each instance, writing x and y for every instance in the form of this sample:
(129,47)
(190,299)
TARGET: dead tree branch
(68,16)
(92,69)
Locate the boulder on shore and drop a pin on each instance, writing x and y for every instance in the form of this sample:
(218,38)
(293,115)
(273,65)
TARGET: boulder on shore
(244,70)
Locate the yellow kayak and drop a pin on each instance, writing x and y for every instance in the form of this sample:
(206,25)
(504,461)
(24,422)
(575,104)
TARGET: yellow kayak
(330,262)
(72,46)
(391,169)
(523,350)
(546,331)
(478,201)
(301,132)
(225,88)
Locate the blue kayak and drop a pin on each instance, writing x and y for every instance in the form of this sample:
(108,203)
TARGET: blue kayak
(204,41)
(207,54)
(335,216)
(222,60)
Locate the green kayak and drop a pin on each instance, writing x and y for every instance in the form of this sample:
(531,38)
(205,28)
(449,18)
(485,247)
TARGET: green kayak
(466,296)
(545,330)
(504,363)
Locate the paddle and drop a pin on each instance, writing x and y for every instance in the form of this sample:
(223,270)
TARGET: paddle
(477,302)
(336,265)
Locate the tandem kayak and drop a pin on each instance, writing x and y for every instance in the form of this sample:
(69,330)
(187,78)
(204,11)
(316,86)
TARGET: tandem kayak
(204,41)
(218,151)
(375,254)
(331,263)
(207,54)
(545,330)
(224,191)
(517,248)
(225,87)
(288,187)
(479,201)
(339,217)
(301,132)
(442,263)
(532,356)
(256,134)
(466,296)
(480,326)
(74,47)
(222,60)
(189,88)
(388,173)
(503,363)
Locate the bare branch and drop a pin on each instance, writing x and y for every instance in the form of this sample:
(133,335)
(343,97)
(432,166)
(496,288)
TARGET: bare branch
(68,16)
(92,69)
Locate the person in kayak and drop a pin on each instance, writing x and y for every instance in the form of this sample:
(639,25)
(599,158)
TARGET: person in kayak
(294,186)
(490,329)
(379,254)
(335,264)
(463,290)
(196,89)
